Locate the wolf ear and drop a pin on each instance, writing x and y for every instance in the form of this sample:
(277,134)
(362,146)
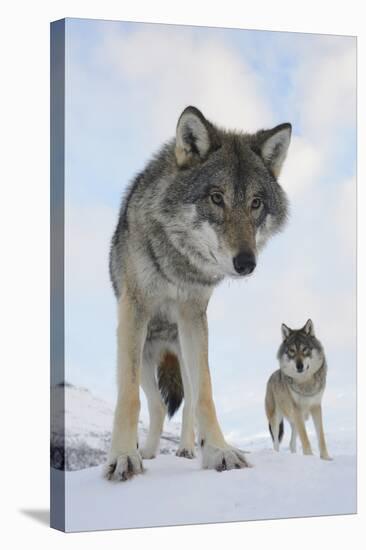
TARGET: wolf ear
(274,145)
(285,331)
(195,137)
(309,327)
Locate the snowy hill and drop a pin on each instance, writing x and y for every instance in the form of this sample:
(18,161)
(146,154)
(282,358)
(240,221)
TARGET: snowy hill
(86,423)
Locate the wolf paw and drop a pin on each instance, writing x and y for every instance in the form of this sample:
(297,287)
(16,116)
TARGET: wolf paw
(220,459)
(185,452)
(124,466)
(326,457)
(307,452)
(148,453)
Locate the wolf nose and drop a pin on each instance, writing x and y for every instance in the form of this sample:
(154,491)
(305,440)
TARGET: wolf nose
(244,263)
(299,366)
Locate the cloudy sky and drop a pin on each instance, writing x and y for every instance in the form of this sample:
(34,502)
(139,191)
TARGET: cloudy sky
(126,84)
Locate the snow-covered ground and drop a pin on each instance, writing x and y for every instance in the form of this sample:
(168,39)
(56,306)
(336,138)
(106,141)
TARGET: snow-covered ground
(176,491)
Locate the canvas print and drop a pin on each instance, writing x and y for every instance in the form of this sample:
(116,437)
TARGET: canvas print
(203,275)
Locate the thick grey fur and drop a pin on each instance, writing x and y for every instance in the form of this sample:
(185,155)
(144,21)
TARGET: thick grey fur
(152,211)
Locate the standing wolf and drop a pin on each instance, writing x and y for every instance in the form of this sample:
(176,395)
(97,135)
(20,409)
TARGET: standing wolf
(199,212)
(296,389)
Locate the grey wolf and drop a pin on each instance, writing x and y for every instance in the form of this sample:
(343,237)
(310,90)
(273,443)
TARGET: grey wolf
(200,211)
(296,389)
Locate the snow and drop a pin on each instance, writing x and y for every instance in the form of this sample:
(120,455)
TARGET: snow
(81,429)
(176,491)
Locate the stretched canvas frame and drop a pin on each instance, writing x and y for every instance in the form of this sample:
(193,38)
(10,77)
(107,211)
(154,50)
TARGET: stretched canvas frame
(76,459)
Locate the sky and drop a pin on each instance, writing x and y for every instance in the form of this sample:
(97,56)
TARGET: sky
(126,85)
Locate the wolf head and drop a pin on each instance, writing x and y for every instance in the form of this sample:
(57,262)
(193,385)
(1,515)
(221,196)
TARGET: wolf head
(300,354)
(226,187)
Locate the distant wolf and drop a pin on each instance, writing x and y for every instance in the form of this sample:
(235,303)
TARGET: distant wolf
(200,211)
(296,389)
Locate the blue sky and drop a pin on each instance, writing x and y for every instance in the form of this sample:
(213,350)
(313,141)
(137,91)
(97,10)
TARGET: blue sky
(126,84)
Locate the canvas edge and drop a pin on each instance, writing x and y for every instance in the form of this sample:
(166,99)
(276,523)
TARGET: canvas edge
(57,219)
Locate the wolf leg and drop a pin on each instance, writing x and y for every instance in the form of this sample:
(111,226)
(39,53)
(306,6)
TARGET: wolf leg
(186,446)
(293,438)
(300,428)
(124,459)
(316,413)
(193,335)
(156,408)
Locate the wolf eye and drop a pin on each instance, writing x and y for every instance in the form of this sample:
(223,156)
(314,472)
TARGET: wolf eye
(217,198)
(291,351)
(256,203)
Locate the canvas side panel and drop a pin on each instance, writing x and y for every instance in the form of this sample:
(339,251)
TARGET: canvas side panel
(57,443)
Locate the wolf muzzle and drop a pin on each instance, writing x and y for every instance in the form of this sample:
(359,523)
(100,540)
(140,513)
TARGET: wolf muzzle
(299,365)
(244,263)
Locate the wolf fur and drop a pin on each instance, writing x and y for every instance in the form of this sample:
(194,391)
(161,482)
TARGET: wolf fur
(199,212)
(296,389)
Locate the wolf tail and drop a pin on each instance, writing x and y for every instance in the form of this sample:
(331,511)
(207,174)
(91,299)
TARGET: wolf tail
(280,431)
(170,382)
(270,406)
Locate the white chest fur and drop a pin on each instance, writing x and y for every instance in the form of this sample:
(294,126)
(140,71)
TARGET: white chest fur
(306,402)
